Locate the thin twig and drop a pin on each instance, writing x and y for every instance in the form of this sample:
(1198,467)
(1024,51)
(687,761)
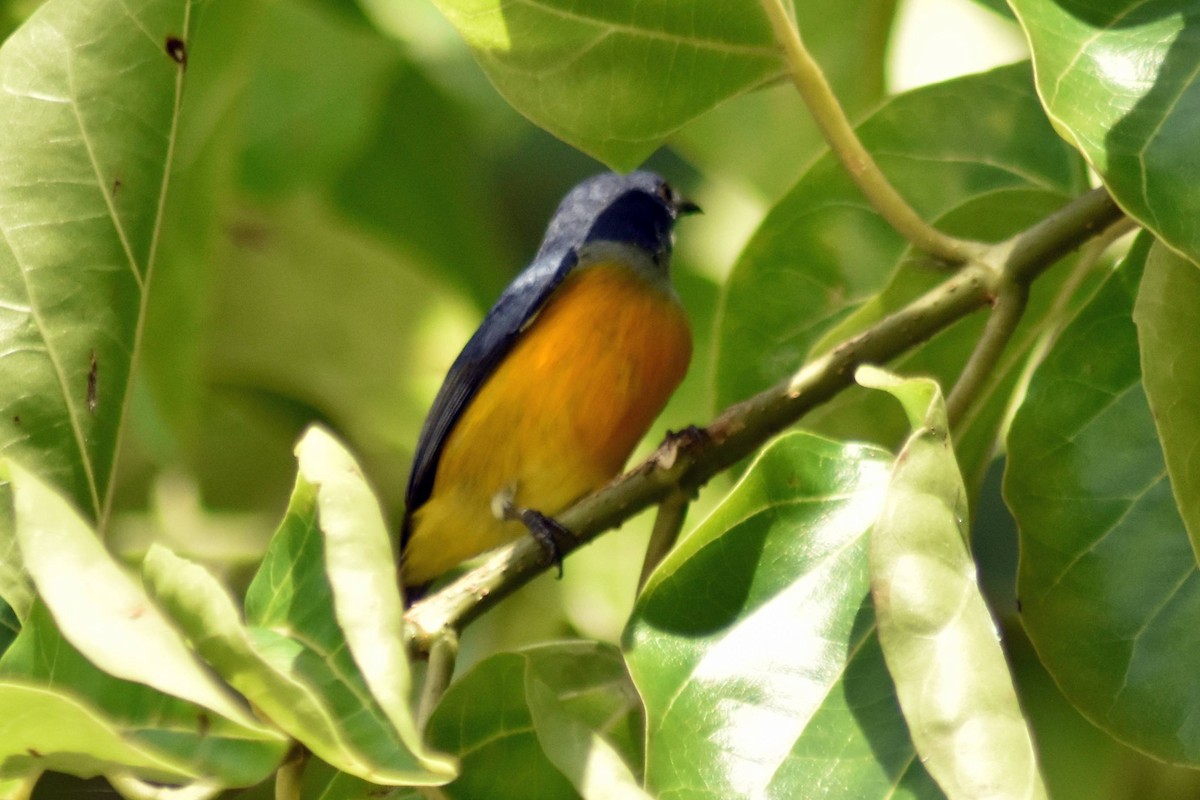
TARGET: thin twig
(672,512)
(818,96)
(1001,325)
(289,776)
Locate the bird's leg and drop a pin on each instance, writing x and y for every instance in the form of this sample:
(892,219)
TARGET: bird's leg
(552,536)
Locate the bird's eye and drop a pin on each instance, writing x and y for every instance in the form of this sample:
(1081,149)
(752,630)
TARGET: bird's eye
(666,194)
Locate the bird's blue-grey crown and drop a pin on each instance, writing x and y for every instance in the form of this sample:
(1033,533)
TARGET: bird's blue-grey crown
(639,209)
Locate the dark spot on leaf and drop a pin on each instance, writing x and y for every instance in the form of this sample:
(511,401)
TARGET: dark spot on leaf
(116,185)
(202,723)
(33,752)
(16,419)
(91,385)
(177,50)
(1018,605)
(249,234)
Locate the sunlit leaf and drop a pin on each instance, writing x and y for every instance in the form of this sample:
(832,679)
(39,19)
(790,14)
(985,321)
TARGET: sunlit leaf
(940,642)
(1119,79)
(88,120)
(322,656)
(100,609)
(323,614)
(754,647)
(137,729)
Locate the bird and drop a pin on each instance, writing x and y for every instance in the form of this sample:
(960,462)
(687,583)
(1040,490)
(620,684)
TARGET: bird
(559,383)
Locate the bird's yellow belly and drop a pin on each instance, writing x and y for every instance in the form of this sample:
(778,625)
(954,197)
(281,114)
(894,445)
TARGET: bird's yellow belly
(559,416)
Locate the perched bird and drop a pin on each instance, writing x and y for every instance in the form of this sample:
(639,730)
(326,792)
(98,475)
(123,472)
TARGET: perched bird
(559,383)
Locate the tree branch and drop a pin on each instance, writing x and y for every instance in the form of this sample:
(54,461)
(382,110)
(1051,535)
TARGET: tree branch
(684,463)
(837,131)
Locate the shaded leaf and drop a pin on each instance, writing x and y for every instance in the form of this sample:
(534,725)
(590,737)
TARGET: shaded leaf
(940,642)
(1119,79)
(1107,580)
(556,720)
(322,782)
(753,644)
(1168,305)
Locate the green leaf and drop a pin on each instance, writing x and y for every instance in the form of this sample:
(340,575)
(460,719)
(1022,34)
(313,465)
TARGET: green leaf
(576,693)
(47,729)
(1107,580)
(556,720)
(139,730)
(298,695)
(96,638)
(1119,79)
(322,654)
(101,611)
(614,79)
(940,642)
(10,625)
(322,782)
(88,120)
(975,154)
(753,644)
(15,590)
(1168,305)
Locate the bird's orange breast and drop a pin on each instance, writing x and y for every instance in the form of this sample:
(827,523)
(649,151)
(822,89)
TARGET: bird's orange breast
(559,416)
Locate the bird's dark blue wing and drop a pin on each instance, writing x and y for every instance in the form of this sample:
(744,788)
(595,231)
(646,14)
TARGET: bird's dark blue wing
(496,335)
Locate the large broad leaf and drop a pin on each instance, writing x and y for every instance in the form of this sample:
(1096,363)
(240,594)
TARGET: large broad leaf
(1168,305)
(557,720)
(321,654)
(104,656)
(941,645)
(615,78)
(1119,79)
(754,646)
(975,154)
(87,125)
(1107,580)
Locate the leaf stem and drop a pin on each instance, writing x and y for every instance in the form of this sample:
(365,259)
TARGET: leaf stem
(672,512)
(683,463)
(443,652)
(1001,325)
(837,131)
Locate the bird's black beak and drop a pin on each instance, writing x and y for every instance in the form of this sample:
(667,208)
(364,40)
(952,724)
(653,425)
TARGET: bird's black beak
(685,206)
